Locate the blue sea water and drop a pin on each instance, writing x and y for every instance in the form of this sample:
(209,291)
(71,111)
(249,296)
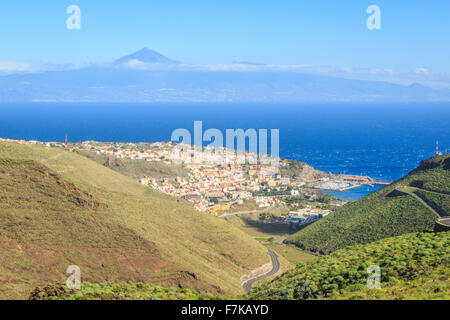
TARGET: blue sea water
(354,194)
(382,140)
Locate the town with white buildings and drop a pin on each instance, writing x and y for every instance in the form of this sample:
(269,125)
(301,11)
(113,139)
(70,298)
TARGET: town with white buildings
(214,185)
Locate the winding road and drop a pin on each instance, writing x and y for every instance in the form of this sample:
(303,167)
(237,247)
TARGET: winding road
(247,286)
(422,200)
(441,219)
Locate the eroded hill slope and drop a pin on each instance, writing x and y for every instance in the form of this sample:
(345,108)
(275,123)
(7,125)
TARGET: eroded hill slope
(58,209)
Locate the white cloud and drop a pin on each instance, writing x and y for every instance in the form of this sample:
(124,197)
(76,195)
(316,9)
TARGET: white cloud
(418,75)
(405,77)
(136,64)
(14,67)
(421,71)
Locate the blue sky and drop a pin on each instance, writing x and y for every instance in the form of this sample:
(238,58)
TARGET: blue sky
(414,34)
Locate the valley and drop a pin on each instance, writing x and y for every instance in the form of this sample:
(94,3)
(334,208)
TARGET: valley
(60,206)
(113,228)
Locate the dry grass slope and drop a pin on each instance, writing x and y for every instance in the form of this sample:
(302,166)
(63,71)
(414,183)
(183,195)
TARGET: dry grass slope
(76,211)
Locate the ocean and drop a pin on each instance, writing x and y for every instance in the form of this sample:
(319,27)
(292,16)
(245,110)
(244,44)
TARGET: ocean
(381,140)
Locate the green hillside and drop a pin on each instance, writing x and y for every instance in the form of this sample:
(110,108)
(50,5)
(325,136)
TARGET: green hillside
(118,291)
(439,202)
(391,211)
(58,209)
(413,266)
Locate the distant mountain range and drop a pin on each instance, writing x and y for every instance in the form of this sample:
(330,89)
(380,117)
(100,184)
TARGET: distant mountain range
(147,76)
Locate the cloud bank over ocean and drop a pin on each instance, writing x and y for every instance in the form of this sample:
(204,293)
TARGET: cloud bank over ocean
(147,76)
(21,67)
(149,60)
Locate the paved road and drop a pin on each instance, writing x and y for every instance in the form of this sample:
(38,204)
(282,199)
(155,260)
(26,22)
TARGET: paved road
(445,221)
(423,201)
(420,200)
(435,192)
(275,268)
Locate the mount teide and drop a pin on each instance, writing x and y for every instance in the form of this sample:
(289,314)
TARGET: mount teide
(145,55)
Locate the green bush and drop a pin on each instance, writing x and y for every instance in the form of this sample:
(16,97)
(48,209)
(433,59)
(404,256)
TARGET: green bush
(118,291)
(407,260)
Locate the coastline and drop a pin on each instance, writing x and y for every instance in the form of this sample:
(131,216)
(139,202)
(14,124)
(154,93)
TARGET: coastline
(355,193)
(338,185)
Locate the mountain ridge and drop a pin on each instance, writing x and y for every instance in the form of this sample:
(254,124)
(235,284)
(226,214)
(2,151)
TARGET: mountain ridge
(95,84)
